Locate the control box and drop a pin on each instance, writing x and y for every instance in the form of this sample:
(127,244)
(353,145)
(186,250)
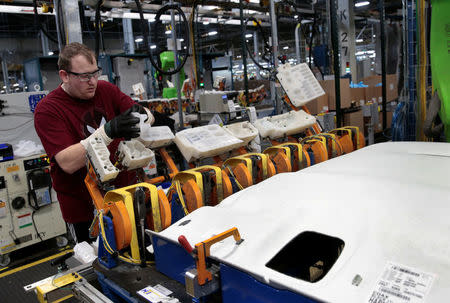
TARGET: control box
(29,210)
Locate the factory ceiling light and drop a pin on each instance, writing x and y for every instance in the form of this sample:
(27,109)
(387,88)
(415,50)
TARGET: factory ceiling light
(362,3)
(212,33)
(138,40)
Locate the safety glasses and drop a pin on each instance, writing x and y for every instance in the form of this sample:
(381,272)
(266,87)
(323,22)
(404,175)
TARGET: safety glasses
(85,77)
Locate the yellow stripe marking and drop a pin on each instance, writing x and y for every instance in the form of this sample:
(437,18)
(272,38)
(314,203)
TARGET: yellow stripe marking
(34,263)
(63,299)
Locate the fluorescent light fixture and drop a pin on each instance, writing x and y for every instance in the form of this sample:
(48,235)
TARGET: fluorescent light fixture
(16,85)
(362,3)
(248,35)
(181,40)
(205,22)
(50,53)
(139,40)
(296,16)
(286,47)
(305,21)
(212,33)
(209,7)
(359,40)
(370,52)
(152,46)
(168,32)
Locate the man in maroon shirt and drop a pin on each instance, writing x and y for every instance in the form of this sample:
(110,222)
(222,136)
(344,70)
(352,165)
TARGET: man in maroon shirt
(80,107)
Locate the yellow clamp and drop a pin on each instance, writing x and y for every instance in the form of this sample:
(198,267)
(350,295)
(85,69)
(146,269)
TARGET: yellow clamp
(349,130)
(248,163)
(273,150)
(299,151)
(195,174)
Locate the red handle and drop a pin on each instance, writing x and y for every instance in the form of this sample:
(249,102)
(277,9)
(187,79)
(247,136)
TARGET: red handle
(184,242)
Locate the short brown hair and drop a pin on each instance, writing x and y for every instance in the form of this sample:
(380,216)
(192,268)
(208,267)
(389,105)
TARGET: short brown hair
(71,50)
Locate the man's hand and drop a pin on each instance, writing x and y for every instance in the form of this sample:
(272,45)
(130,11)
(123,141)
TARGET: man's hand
(142,110)
(123,126)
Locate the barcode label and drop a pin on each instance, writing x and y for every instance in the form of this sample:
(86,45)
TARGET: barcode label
(399,284)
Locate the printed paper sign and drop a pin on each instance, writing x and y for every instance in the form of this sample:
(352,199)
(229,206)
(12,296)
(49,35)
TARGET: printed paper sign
(400,283)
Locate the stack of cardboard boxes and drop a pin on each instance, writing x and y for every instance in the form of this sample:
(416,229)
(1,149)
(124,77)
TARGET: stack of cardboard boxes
(353,98)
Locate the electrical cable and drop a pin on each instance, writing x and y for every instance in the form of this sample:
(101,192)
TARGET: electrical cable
(17,126)
(34,225)
(180,196)
(61,23)
(144,29)
(108,247)
(267,51)
(97,24)
(39,24)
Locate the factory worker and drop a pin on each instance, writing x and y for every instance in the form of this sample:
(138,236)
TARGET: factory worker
(81,107)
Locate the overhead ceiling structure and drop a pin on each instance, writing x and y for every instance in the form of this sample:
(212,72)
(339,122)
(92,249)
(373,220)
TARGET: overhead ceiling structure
(17,19)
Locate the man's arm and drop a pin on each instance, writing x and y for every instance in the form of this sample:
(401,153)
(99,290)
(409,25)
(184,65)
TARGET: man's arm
(71,158)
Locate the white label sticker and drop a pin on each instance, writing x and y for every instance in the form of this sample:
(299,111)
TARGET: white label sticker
(400,283)
(151,294)
(24,220)
(162,289)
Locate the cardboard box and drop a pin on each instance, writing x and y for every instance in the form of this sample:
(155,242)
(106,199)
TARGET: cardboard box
(357,94)
(374,91)
(318,105)
(379,127)
(354,119)
(328,87)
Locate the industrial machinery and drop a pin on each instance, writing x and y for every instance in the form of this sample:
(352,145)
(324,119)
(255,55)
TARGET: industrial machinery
(288,157)
(202,186)
(29,211)
(310,249)
(249,169)
(349,137)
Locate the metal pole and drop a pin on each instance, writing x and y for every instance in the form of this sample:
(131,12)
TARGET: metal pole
(244,51)
(5,74)
(44,43)
(273,22)
(256,50)
(383,59)
(297,42)
(177,75)
(72,22)
(128,36)
(58,30)
(337,70)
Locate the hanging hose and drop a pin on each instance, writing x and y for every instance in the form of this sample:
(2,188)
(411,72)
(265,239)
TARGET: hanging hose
(193,44)
(98,24)
(266,55)
(38,24)
(144,27)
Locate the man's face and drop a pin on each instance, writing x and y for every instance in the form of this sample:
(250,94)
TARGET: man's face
(74,86)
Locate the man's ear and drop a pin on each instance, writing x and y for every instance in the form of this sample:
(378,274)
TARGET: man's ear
(64,76)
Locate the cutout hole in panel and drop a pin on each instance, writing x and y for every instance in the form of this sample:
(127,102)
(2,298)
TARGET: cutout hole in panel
(308,257)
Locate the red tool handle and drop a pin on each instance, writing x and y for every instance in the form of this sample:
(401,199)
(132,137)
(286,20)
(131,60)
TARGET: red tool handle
(184,242)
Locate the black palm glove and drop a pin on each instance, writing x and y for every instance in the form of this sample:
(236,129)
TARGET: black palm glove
(139,109)
(123,126)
